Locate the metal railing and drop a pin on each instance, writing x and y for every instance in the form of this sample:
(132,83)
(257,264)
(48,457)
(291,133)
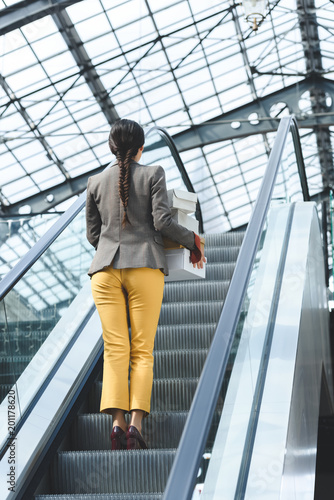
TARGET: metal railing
(182,478)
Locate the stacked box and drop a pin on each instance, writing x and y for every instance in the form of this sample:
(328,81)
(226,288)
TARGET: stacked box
(186,221)
(182,200)
(181,203)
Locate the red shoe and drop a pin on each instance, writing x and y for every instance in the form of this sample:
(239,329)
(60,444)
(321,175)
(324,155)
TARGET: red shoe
(118,439)
(134,440)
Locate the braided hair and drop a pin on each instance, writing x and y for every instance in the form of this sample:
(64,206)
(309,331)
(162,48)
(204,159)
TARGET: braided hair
(125,138)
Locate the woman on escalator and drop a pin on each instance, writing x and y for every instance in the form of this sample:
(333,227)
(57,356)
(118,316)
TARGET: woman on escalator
(127,214)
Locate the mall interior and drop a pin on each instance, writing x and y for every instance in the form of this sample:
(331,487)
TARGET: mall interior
(236,99)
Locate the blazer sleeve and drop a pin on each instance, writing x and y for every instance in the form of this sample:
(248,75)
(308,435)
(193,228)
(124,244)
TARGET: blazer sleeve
(162,217)
(93,219)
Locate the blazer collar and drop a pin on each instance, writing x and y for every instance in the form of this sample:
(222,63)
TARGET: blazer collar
(115,163)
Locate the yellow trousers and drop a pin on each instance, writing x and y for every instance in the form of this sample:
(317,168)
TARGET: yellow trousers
(142,290)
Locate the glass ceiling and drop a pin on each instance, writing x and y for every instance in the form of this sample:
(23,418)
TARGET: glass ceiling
(167,63)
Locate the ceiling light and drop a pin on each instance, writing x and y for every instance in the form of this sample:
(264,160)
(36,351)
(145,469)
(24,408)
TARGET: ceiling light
(254,12)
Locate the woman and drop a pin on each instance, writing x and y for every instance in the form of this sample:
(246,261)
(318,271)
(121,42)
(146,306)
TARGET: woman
(127,214)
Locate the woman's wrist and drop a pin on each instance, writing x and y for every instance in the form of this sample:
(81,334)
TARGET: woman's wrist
(196,253)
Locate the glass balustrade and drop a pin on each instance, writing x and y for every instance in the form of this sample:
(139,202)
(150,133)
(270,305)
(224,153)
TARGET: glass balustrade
(229,433)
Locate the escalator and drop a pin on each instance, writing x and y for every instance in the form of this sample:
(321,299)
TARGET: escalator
(52,359)
(187,322)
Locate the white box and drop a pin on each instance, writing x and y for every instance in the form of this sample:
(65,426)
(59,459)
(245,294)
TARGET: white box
(185,220)
(183,200)
(180,266)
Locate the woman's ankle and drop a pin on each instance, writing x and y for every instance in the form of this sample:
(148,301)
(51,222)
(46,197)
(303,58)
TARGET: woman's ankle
(136,418)
(118,417)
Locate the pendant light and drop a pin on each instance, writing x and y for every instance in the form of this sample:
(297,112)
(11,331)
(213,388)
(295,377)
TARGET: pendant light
(254,12)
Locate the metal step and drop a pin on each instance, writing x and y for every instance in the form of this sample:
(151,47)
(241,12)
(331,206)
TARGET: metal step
(184,336)
(167,395)
(195,290)
(161,430)
(102,496)
(179,363)
(190,312)
(111,471)
(224,239)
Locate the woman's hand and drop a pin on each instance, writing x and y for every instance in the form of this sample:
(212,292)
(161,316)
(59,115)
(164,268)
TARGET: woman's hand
(200,263)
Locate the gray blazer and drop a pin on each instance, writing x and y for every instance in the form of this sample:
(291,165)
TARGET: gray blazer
(140,243)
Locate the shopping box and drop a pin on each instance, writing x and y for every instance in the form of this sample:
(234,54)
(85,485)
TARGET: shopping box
(183,200)
(185,220)
(180,267)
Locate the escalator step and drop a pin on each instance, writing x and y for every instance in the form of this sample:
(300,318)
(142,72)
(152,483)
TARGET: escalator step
(138,471)
(179,363)
(195,290)
(190,312)
(160,430)
(219,271)
(219,254)
(167,395)
(10,363)
(224,239)
(22,344)
(184,336)
(11,368)
(4,390)
(102,496)
(30,326)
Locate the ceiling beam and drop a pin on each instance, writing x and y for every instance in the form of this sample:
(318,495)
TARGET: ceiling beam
(220,129)
(81,57)
(28,11)
(51,155)
(39,203)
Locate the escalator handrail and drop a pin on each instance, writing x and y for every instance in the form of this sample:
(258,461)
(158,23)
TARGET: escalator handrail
(184,174)
(28,260)
(300,159)
(192,444)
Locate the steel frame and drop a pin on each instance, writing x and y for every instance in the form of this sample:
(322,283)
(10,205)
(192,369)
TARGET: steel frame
(28,11)
(220,129)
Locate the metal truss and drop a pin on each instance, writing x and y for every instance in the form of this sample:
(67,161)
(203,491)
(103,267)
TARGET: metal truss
(76,47)
(28,11)
(311,43)
(269,109)
(32,127)
(45,200)
(216,130)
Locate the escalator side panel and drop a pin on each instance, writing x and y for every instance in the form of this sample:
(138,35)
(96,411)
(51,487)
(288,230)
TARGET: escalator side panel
(227,455)
(284,453)
(313,357)
(33,438)
(275,458)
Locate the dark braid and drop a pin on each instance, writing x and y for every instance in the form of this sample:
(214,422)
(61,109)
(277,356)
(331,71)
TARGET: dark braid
(124,180)
(125,138)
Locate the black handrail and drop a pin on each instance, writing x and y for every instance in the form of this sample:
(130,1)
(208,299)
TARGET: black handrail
(182,477)
(184,174)
(29,259)
(300,159)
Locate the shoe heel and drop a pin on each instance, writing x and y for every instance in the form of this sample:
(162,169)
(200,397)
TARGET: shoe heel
(132,443)
(118,439)
(116,444)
